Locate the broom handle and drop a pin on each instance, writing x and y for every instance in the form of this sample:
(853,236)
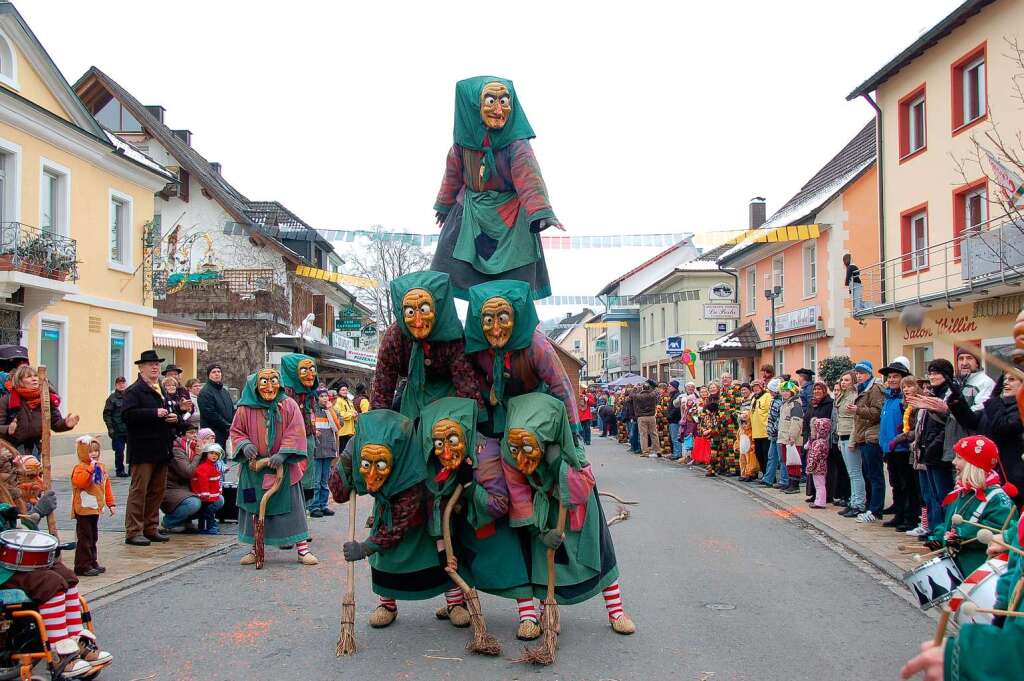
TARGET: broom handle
(44,443)
(551,554)
(446,529)
(279,477)
(350,588)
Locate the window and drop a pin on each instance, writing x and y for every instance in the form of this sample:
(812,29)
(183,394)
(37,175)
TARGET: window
(8,63)
(118,355)
(914,238)
(115,117)
(922,358)
(52,346)
(913,123)
(54,198)
(969,86)
(970,211)
(810,253)
(778,277)
(751,290)
(10,170)
(780,361)
(811,356)
(663,333)
(120,256)
(576,345)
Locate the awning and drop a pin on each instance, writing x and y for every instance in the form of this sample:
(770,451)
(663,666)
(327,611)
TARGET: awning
(736,344)
(163,338)
(789,340)
(348,364)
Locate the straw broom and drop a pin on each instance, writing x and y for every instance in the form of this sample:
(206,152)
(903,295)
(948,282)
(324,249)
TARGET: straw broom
(44,443)
(259,523)
(483,642)
(550,621)
(347,636)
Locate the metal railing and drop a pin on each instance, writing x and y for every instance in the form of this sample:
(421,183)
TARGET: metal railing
(988,254)
(24,248)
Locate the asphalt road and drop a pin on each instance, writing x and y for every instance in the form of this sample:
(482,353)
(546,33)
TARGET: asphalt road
(721,587)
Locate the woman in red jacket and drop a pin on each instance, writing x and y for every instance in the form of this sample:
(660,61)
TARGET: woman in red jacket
(586,405)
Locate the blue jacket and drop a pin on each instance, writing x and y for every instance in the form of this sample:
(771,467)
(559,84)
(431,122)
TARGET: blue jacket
(891,423)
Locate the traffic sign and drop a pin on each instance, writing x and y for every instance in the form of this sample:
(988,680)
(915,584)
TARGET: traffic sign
(347,324)
(674,346)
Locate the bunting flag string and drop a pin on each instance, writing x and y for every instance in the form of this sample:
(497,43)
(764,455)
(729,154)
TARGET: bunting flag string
(612,301)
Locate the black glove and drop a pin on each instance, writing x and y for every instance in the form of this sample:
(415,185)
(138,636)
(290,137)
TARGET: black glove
(277,460)
(47,504)
(249,451)
(354,550)
(552,539)
(464,473)
(933,545)
(10,514)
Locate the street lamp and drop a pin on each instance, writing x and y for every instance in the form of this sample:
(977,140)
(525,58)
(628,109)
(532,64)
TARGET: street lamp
(772,293)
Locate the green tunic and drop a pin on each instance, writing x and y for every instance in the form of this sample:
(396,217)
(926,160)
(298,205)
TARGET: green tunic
(997,507)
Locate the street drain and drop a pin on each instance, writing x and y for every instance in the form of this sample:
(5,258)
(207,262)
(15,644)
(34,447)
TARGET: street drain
(719,606)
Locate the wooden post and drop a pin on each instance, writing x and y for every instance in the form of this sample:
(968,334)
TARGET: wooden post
(44,444)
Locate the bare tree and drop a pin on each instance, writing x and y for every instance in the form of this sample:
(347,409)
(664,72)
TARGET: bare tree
(384,258)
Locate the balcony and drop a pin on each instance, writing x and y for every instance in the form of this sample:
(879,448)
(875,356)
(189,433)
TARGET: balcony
(42,263)
(223,294)
(984,262)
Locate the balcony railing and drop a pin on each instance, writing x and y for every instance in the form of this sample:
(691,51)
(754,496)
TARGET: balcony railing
(28,249)
(228,293)
(987,255)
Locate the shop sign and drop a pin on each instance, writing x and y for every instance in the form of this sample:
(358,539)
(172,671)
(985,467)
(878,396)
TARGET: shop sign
(368,358)
(343,324)
(721,291)
(674,346)
(797,319)
(948,326)
(721,310)
(601,345)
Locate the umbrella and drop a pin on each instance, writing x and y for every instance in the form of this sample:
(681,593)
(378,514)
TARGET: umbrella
(628,379)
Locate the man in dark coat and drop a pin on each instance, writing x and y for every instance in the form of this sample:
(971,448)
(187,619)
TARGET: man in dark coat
(151,427)
(116,428)
(215,407)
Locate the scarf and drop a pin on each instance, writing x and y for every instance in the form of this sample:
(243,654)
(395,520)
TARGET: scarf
(979,492)
(32,398)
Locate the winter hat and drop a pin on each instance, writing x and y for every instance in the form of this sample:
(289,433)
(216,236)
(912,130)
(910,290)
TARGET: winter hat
(982,452)
(789,386)
(773,385)
(941,366)
(865,366)
(212,447)
(903,361)
(205,433)
(895,367)
(210,368)
(674,383)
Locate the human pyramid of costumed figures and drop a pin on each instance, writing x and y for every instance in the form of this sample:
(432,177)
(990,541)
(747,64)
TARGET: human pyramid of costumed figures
(476,465)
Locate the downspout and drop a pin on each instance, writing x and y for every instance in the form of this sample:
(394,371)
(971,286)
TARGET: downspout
(736,324)
(881,214)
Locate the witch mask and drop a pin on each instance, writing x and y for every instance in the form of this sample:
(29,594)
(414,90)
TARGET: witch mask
(495,105)
(307,373)
(268,383)
(498,319)
(418,313)
(375,464)
(524,447)
(449,443)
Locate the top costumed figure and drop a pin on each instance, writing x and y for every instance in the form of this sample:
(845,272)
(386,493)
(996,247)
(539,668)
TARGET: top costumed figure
(493,203)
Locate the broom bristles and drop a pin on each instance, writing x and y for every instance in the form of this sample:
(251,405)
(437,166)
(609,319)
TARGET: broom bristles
(482,642)
(347,636)
(545,653)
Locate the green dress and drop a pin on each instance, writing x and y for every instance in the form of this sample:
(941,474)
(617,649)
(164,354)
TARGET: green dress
(994,513)
(412,569)
(490,554)
(306,399)
(585,563)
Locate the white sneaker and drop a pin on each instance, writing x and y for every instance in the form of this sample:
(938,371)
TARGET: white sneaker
(67,651)
(917,532)
(867,517)
(652,456)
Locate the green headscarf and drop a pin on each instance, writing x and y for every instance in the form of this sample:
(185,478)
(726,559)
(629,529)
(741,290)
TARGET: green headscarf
(290,373)
(391,429)
(251,398)
(517,293)
(447,327)
(544,416)
(464,412)
(470,129)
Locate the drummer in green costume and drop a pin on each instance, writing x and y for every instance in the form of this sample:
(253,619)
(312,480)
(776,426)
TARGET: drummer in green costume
(488,552)
(545,468)
(384,462)
(299,378)
(424,344)
(493,203)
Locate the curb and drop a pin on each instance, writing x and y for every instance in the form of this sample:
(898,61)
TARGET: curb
(97,597)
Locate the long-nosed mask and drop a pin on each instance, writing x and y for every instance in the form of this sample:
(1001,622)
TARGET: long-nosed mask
(418,313)
(268,383)
(307,373)
(497,319)
(449,443)
(527,451)
(375,465)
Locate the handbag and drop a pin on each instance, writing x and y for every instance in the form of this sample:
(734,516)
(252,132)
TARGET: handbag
(701,450)
(792,455)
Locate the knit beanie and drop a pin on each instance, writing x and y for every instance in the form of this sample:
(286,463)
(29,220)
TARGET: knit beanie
(865,366)
(941,366)
(773,385)
(211,367)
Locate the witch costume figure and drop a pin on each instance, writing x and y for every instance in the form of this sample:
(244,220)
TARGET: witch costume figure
(424,344)
(299,378)
(545,470)
(384,462)
(268,425)
(511,355)
(493,203)
(488,551)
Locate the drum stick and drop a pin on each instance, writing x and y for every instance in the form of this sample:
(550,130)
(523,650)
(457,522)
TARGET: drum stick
(44,442)
(940,629)
(921,556)
(986,536)
(958,519)
(971,609)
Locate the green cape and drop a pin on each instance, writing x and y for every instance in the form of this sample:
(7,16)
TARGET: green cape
(464,412)
(389,428)
(470,129)
(447,327)
(517,293)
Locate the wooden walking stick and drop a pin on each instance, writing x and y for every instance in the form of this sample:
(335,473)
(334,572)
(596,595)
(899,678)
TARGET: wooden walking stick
(483,642)
(44,443)
(259,523)
(545,654)
(347,636)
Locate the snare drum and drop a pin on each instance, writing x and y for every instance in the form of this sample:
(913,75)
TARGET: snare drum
(27,550)
(934,581)
(980,589)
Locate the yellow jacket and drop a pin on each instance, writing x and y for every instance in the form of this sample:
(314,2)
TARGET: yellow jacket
(759,415)
(347,415)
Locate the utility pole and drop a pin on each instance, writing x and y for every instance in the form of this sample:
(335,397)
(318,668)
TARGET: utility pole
(772,292)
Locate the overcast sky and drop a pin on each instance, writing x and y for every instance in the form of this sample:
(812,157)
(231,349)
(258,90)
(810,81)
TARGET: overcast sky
(650,117)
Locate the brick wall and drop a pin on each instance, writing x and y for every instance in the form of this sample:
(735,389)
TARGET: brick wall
(239,346)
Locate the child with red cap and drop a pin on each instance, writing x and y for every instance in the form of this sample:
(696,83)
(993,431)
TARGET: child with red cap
(978,497)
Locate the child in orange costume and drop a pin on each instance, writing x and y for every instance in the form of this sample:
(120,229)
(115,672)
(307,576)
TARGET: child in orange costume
(744,448)
(91,493)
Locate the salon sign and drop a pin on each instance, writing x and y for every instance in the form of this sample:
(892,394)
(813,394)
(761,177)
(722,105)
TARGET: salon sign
(947,326)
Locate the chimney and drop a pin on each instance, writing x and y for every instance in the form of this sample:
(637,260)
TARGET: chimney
(757,212)
(157,111)
(216,166)
(184,135)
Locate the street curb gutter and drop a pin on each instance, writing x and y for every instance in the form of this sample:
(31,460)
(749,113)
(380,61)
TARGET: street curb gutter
(100,595)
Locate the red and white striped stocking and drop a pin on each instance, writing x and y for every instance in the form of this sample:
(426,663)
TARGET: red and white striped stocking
(924,518)
(527,610)
(389,603)
(73,611)
(613,600)
(453,597)
(302,547)
(54,618)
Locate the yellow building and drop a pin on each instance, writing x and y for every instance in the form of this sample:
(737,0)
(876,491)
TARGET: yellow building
(73,202)
(949,241)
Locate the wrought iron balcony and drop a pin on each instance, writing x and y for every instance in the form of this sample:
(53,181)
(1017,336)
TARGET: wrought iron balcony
(986,256)
(31,250)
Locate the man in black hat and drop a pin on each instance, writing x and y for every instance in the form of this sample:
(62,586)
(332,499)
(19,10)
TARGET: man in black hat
(151,428)
(216,411)
(182,395)
(805,379)
(11,357)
